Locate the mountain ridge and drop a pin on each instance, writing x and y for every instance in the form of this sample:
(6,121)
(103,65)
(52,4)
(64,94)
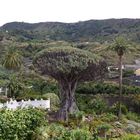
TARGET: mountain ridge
(98,30)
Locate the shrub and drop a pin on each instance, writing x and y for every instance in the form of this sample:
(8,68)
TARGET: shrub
(130,137)
(115,109)
(133,116)
(80,134)
(92,104)
(77,115)
(19,124)
(98,105)
(136,99)
(102,129)
(135,102)
(50,132)
(54,100)
(94,124)
(130,128)
(108,117)
(76,119)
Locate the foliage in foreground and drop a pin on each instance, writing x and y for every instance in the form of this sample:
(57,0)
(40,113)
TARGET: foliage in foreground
(30,124)
(19,124)
(131,137)
(95,130)
(59,132)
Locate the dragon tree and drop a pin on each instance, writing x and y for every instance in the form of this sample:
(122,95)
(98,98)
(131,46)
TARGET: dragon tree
(68,65)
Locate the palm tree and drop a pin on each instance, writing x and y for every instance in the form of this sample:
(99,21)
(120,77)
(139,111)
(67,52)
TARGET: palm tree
(120,47)
(12,59)
(15,86)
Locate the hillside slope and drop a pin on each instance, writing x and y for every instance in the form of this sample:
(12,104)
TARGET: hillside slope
(92,30)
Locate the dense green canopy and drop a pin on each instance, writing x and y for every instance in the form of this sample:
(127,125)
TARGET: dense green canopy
(67,62)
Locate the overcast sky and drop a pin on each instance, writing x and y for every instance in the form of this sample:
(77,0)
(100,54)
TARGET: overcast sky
(66,10)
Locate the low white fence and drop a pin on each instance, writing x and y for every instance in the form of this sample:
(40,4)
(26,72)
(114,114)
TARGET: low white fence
(13,104)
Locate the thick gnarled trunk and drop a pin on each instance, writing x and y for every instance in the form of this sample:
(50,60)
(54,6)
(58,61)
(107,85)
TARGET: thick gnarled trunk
(68,102)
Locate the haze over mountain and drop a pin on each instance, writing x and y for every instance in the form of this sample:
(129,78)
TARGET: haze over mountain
(91,30)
